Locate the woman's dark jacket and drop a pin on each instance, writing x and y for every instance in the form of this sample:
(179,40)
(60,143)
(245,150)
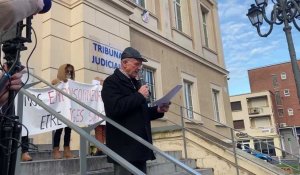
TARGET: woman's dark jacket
(126,106)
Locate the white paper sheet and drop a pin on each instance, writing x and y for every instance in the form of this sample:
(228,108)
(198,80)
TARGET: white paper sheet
(167,98)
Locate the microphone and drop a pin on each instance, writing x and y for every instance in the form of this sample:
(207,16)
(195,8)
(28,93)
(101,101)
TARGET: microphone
(142,81)
(141,78)
(47,6)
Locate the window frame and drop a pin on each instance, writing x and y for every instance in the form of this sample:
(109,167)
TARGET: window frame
(280,109)
(178,19)
(195,95)
(216,104)
(275,83)
(221,107)
(204,17)
(283,76)
(240,105)
(141,3)
(150,77)
(188,99)
(286,92)
(290,111)
(243,124)
(278,100)
(268,142)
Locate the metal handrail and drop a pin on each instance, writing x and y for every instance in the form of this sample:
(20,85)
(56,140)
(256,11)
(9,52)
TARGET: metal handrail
(105,149)
(226,126)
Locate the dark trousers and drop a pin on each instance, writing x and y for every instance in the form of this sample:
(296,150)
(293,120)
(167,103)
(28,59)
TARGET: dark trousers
(67,137)
(24,144)
(119,170)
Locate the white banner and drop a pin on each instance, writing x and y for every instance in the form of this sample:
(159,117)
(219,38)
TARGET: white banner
(38,120)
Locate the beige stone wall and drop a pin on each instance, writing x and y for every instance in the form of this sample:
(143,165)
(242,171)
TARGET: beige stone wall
(210,155)
(66,33)
(267,110)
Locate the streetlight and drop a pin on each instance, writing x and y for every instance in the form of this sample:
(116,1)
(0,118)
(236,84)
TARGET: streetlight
(283,12)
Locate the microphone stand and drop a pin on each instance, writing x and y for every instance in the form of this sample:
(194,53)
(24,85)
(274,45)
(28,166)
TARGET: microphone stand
(10,127)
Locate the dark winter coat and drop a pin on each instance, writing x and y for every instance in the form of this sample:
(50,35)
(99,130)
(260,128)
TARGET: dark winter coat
(126,106)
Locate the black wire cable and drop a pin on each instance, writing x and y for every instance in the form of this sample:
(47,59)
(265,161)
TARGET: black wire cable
(20,144)
(27,61)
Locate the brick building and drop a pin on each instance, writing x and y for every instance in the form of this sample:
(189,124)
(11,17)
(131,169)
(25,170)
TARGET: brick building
(279,80)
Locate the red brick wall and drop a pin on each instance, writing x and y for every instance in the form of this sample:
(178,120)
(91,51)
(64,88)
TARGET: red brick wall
(261,79)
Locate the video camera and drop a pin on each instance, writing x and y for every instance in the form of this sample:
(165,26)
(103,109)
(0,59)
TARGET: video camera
(10,128)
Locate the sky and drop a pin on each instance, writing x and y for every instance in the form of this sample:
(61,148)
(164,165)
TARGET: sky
(244,49)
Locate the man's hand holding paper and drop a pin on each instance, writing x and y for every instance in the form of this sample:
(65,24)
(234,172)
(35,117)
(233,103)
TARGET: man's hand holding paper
(163,107)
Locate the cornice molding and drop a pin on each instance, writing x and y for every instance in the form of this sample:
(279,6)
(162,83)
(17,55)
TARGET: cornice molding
(138,27)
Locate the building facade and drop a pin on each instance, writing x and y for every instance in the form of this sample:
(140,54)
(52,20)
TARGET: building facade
(279,80)
(254,121)
(180,39)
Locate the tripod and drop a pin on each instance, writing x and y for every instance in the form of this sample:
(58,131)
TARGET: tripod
(10,127)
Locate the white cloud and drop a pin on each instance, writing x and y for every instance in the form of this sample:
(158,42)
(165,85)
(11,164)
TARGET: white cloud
(243,48)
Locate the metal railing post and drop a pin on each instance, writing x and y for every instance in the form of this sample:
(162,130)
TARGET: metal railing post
(83,153)
(234,151)
(105,149)
(91,139)
(183,133)
(20,103)
(20,114)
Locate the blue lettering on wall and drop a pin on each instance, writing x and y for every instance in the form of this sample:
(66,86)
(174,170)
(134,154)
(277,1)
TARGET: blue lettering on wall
(107,50)
(105,63)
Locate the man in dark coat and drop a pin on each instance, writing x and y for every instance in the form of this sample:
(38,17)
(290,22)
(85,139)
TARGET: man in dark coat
(125,102)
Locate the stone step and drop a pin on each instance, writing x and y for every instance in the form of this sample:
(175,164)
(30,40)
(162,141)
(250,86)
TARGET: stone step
(96,165)
(176,154)
(206,171)
(63,166)
(154,168)
(46,155)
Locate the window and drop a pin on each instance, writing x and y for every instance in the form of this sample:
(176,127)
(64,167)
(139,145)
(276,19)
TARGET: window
(239,124)
(190,96)
(274,81)
(236,106)
(243,144)
(261,122)
(216,105)
(265,146)
(286,92)
(148,76)
(204,25)
(283,75)
(140,3)
(178,19)
(280,112)
(278,98)
(290,111)
(188,99)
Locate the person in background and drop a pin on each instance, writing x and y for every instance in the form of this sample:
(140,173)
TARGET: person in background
(100,129)
(65,72)
(125,102)
(25,147)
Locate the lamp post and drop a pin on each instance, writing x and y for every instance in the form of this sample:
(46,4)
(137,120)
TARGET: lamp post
(283,12)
